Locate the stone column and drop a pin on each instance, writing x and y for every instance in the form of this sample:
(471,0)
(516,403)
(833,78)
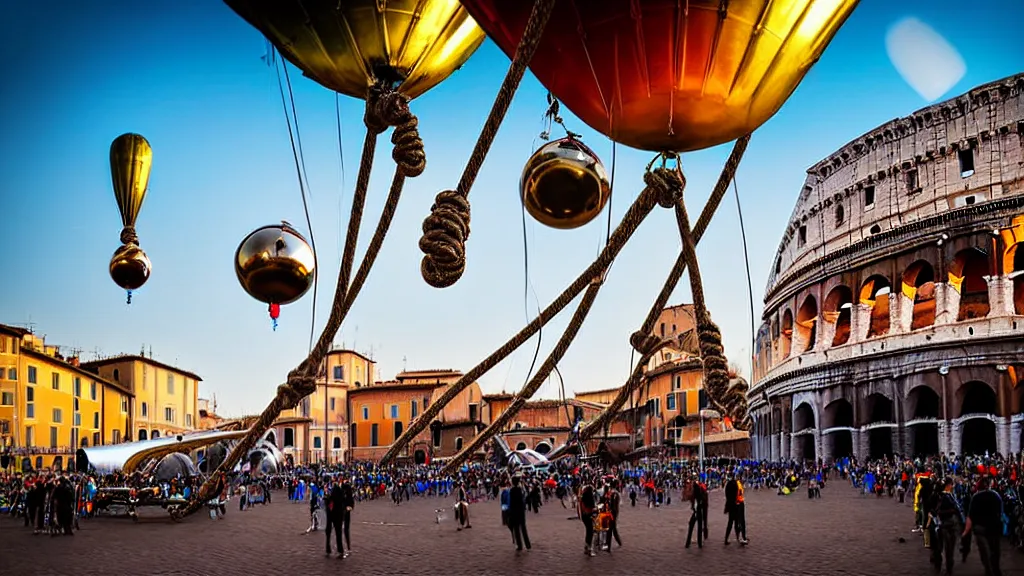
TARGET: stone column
(862,445)
(786,443)
(819,450)
(855,440)
(798,342)
(825,447)
(1000,295)
(947,303)
(776,447)
(860,322)
(1003,435)
(1015,426)
(955,440)
(898,309)
(944,446)
(826,330)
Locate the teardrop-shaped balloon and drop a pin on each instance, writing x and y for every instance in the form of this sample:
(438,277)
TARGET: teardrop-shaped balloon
(131,159)
(665,75)
(349,45)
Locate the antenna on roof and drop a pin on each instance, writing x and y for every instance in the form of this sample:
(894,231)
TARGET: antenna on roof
(143,351)
(151,351)
(404,363)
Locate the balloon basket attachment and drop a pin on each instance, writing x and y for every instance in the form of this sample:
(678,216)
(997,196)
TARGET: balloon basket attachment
(128,301)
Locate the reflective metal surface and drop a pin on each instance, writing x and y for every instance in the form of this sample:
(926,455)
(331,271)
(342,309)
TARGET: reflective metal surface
(564,185)
(128,457)
(173,465)
(130,267)
(665,75)
(265,458)
(347,45)
(131,159)
(274,264)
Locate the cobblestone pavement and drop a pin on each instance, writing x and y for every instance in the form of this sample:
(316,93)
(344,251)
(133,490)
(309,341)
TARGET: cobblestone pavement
(843,533)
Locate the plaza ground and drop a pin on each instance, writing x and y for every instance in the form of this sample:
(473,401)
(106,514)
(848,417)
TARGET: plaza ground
(843,533)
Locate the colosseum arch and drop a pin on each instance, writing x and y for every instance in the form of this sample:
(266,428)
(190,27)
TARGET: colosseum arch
(803,429)
(839,414)
(919,288)
(807,323)
(874,293)
(923,408)
(879,417)
(977,401)
(967,276)
(1016,257)
(839,305)
(786,338)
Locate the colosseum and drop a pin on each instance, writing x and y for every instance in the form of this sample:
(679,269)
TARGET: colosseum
(894,314)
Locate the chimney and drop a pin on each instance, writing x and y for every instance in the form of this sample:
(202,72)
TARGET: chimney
(74,361)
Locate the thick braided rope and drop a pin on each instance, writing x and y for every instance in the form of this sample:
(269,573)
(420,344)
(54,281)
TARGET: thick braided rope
(383,108)
(639,339)
(446,229)
(636,213)
(128,236)
(519,402)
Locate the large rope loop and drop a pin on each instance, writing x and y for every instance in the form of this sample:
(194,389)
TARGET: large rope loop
(444,239)
(668,183)
(387,108)
(128,236)
(645,343)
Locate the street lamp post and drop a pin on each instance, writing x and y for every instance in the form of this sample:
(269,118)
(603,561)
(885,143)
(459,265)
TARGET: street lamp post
(705,415)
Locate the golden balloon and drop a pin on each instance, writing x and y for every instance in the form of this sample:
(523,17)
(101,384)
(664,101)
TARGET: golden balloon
(349,45)
(131,159)
(130,267)
(275,264)
(564,184)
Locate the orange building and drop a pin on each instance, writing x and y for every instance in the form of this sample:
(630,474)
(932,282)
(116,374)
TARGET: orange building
(378,415)
(541,425)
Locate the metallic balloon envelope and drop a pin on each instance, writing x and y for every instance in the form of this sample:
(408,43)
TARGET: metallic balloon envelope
(131,160)
(664,75)
(348,45)
(130,267)
(564,184)
(275,264)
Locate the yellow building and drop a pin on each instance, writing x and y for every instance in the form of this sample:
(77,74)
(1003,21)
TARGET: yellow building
(166,399)
(327,407)
(50,405)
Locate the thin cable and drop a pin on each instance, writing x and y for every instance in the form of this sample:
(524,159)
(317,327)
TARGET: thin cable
(750,285)
(302,188)
(526,292)
(341,162)
(611,192)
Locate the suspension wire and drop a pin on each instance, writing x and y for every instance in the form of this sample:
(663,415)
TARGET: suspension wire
(526,286)
(750,284)
(611,192)
(300,169)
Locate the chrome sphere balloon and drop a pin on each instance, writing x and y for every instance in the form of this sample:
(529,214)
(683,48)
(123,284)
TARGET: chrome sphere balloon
(275,264)
(564,184)
(130,267)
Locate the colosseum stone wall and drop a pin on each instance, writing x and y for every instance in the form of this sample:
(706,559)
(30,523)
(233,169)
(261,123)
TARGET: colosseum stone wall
(894,315)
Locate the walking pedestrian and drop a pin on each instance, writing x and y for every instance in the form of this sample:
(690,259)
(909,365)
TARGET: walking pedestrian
(985,520)
(517,515)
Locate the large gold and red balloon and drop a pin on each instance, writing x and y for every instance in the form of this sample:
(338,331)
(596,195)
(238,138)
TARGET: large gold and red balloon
(131,159)
(348,45)
(671,75)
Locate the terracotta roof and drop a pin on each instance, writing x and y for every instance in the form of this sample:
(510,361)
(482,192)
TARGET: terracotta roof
(693,364)
(77,370)
(727,436)
(137,358)
(379,386)
(427,373)
(502,396)
(601,391)
(14,330)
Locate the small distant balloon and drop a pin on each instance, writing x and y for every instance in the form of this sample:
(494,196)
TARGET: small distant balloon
(925,60)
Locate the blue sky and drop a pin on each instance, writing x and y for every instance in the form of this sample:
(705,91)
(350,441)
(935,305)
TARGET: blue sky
(188,75)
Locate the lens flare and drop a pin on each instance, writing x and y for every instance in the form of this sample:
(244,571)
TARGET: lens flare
(925,60)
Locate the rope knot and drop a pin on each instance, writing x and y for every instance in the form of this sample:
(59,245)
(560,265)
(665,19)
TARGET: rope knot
(644,343)
(387,108)
(128,236)
(443,242)
(299,386)
(668,184)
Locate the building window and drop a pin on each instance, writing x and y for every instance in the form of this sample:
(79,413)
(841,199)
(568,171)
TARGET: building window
(143,435)
(78,387)
(78,418)
(170,383)
(76,405)
(869,197)
(30,398)
(92,391)
(55,381)
(413,409)
(366,412)
(394,411)
(426,402)
(12,373)
(169,414)
(353,439)
(436,436)
(801,236)
(95,421)
(145,410)
(124,405)
(912,183)
(458,443)
(53,436)
(316,442)
(115,436)
(337,443)
(7,399)
(678,383)
(32,375)
(117,375)
(332,404)
(58,416)
(74,439)
(840,215)
(289,437)
(339,372)
(95,438)
(373,434)
(966,157)
(875,229)
(670,401)
(5,426)
(188,420)
(474,410)
(398,430)
(29,437)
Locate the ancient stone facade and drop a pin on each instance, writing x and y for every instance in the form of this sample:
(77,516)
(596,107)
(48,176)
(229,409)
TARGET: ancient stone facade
(894,316)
